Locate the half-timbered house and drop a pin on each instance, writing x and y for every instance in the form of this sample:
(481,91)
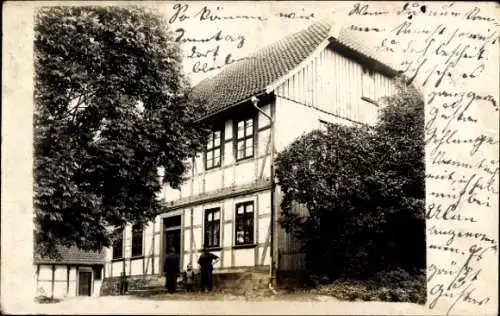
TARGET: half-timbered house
(256,107)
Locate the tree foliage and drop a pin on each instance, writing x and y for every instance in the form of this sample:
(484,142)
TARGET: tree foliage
(111,108)
(363,189)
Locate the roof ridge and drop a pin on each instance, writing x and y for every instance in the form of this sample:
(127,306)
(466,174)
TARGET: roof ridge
(319,23)
(253,73)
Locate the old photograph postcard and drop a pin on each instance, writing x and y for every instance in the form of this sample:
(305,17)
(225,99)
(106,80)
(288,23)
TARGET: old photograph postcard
(257,157)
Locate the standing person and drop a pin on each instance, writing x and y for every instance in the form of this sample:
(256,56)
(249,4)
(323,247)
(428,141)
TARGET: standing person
(206,262)
(171,269)
(189,278)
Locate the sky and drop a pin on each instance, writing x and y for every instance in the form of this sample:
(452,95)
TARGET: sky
(238,37)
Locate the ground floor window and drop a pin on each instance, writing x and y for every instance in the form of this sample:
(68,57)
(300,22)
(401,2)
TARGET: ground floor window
(137,232)
(118,246)
(244,223)
(212,228)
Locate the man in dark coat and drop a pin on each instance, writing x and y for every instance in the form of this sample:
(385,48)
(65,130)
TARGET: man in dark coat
(206,262)
(171,269)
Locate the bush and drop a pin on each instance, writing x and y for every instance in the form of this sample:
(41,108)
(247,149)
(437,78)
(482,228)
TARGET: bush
(389,286)
(42,299)
(364,191)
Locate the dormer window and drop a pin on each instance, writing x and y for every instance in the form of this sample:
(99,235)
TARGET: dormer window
(244,138)
(213,151)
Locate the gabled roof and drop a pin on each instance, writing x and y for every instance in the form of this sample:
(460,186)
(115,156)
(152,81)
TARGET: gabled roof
(254,74)
(73,255)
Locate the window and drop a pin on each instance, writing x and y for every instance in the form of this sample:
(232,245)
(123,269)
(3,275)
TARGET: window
(118,247)
(137,230)
(212,228)
(213,150)
(97,272)
(244,223)
(369,92)
(244,139)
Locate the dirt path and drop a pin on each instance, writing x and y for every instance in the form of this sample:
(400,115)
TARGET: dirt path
(276,306)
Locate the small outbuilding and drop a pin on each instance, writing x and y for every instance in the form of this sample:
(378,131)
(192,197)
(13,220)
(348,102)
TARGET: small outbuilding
(74,273)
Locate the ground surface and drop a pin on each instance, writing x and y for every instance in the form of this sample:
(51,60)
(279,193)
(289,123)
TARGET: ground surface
(218,303)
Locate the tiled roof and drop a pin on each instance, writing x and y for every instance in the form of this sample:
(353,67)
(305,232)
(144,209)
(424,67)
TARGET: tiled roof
(252,75)
(74,255)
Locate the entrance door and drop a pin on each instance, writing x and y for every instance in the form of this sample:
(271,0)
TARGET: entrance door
(172,229)
(84,283)
(173,240)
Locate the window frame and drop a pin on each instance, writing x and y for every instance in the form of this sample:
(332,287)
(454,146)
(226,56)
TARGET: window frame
(210,225)
(243,217)
(214,148)
(120,240)
(245,137)
(135,234)
(368,74)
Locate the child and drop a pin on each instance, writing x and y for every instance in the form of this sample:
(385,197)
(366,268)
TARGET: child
(189,277)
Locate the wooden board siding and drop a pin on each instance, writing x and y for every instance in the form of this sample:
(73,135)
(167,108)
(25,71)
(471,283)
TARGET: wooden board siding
(329,88)
(333,83)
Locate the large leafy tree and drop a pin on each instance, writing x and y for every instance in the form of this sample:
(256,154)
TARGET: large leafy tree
(363,189)
(112,108)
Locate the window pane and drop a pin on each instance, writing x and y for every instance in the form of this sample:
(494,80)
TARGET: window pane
(240,236)
(241,145)
(241,124)
(249,208)
(239,209)
(249,147)
(217,139)
(216,215)
(216,235)
(248,221)
(210,141)
(241,133)
(248,238)
(216,161)
(249,143)
(209,237)
(241,149)
(249,128)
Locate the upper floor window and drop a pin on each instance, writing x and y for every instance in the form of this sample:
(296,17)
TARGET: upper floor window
(118,247)
(212,228)
(244,223)
(369,92)
(213,150)
(137,235)
(244,138)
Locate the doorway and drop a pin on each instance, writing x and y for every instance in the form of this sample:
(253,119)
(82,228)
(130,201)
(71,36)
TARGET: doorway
(84,283)
(172,235)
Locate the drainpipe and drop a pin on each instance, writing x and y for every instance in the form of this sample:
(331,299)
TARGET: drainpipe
(255,101)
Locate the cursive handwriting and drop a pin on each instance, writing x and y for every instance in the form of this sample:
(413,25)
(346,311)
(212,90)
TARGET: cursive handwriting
(215,37)
(359,9)
(463,277)
(447,49)
(210,14)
